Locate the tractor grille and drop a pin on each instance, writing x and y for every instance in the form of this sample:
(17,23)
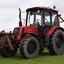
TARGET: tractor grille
(16,32)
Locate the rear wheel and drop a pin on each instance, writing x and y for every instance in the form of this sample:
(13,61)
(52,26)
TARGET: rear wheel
(6,51)
(56,45)
(29,47)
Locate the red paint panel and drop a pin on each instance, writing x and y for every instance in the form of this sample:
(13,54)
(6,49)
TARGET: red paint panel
(27,29)
(51,30)
(20,34)
(31,29)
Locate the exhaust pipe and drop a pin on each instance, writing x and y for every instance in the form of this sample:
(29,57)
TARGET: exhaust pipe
(20,22)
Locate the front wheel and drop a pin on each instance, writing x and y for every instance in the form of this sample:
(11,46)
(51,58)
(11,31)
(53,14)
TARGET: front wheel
(56,45)
(29,47)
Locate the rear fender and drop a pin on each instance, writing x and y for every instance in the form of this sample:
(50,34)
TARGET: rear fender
(52,30)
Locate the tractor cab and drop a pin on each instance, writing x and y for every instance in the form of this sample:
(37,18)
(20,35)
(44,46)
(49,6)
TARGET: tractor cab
(41,16)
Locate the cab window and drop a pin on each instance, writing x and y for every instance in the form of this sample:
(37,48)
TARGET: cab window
(54,19)
(47,17)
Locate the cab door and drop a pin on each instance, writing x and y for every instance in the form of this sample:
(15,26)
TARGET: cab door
(47,21)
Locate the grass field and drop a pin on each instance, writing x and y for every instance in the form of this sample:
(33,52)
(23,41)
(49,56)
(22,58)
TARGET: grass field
(44,58)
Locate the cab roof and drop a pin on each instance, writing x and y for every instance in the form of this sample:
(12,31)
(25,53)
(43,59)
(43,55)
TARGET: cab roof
(40,8)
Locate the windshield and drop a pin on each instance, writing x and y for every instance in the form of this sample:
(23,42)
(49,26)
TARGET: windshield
(34,18)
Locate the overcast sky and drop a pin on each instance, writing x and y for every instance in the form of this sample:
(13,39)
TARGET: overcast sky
(9,10)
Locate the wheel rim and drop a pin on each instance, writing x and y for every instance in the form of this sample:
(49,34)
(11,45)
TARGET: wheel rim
(59,41)
(31,47)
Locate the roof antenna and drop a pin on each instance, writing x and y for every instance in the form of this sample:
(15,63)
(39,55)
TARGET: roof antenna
(54,7)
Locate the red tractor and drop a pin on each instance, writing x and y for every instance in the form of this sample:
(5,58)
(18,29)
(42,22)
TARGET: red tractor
(42,30)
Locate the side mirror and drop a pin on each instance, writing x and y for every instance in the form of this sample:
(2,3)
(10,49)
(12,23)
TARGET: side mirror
(59,15)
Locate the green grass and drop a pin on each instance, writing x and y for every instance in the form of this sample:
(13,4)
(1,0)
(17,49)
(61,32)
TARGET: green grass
(44,58)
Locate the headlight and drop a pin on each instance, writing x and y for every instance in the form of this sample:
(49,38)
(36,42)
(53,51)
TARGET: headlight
(16,32)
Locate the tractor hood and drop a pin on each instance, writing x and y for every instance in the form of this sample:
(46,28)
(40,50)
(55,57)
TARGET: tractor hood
(30,29)
(19,31)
